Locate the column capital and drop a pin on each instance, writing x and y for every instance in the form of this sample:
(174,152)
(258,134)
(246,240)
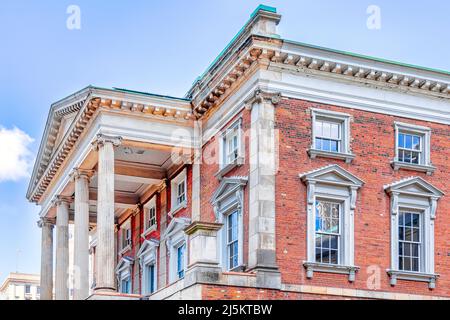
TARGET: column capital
(59,200)
(79,173)
(46,222)
(261,96)
(103,139)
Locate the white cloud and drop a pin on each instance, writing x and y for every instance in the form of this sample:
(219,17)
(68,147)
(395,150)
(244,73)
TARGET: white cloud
(16,159)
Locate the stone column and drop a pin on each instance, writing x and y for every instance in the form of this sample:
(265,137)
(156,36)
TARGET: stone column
(46,259)
(263,168)
(105,212)
(81,233)
(62,248)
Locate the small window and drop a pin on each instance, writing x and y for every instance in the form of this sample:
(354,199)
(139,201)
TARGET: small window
(181,192)
(233,240)
(125,286)
(150,277)
(328,136)
(38,290)
(231,146)
(181,260)
(178,191)
(412,148)
(328,232)
(150,214)
(409,148)
(410,241)
(27,289)
(126,236)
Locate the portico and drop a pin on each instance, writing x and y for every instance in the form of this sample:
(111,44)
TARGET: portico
(111,167)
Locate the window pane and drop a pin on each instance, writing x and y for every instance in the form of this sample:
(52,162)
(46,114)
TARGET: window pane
(401,140)
(408,141)
(319,128)
(334,146)
(326,130)
(335,128)
(416,143)
(326,145)
(415,264)
(318,144)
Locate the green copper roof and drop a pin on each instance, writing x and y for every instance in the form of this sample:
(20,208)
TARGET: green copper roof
(261,7)
(147,94)
(356,55)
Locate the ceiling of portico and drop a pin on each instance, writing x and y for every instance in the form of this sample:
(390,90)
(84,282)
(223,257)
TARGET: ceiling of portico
(149,157)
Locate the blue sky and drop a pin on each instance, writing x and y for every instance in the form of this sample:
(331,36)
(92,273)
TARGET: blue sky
(160,47)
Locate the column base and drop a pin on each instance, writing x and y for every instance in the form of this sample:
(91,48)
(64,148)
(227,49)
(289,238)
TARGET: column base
(113,296)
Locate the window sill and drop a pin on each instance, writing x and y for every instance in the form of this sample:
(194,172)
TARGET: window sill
(347,157)
(312,267)
(226,169)
(413,276)
(175,210)
(148,231)
(124,250)
(397,165)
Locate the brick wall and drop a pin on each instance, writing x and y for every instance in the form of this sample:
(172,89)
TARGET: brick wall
(372,141)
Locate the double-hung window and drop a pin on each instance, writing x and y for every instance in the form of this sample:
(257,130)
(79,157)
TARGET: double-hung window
(328,232)
(412,148)
(178,191)
(413,207)
(126,235)
(410,241)
(181,192)
(150,277)
(181,251)
(330,135)
(125,286)
(332,201)
(150,216)
(233,240)
(230,149)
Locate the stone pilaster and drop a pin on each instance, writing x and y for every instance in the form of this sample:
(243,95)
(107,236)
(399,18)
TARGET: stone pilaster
(62,248)
(162,266)
(203,263)
(105,212)
(81,233)
(196,182)
(46,259)
(263,168)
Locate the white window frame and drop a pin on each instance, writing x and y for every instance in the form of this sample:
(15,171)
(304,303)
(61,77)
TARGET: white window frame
(334,184)
(425,164)
(180,178)
(225,166)
(343,120)
(147,211)
(148,256)
(341,204)
(125,243)
(229,198)
(124,271)
(176,237)
(414,194)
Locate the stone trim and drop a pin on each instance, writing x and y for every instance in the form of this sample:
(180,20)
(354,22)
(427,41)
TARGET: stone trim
(413,276)
(312,267)
(347,157)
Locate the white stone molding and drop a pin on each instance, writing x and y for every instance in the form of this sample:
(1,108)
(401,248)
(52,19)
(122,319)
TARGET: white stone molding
(174,237)
(229,198)
(425,164)
(415,194)
(332,183)
(124,270)
(343,120)
(148,255)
